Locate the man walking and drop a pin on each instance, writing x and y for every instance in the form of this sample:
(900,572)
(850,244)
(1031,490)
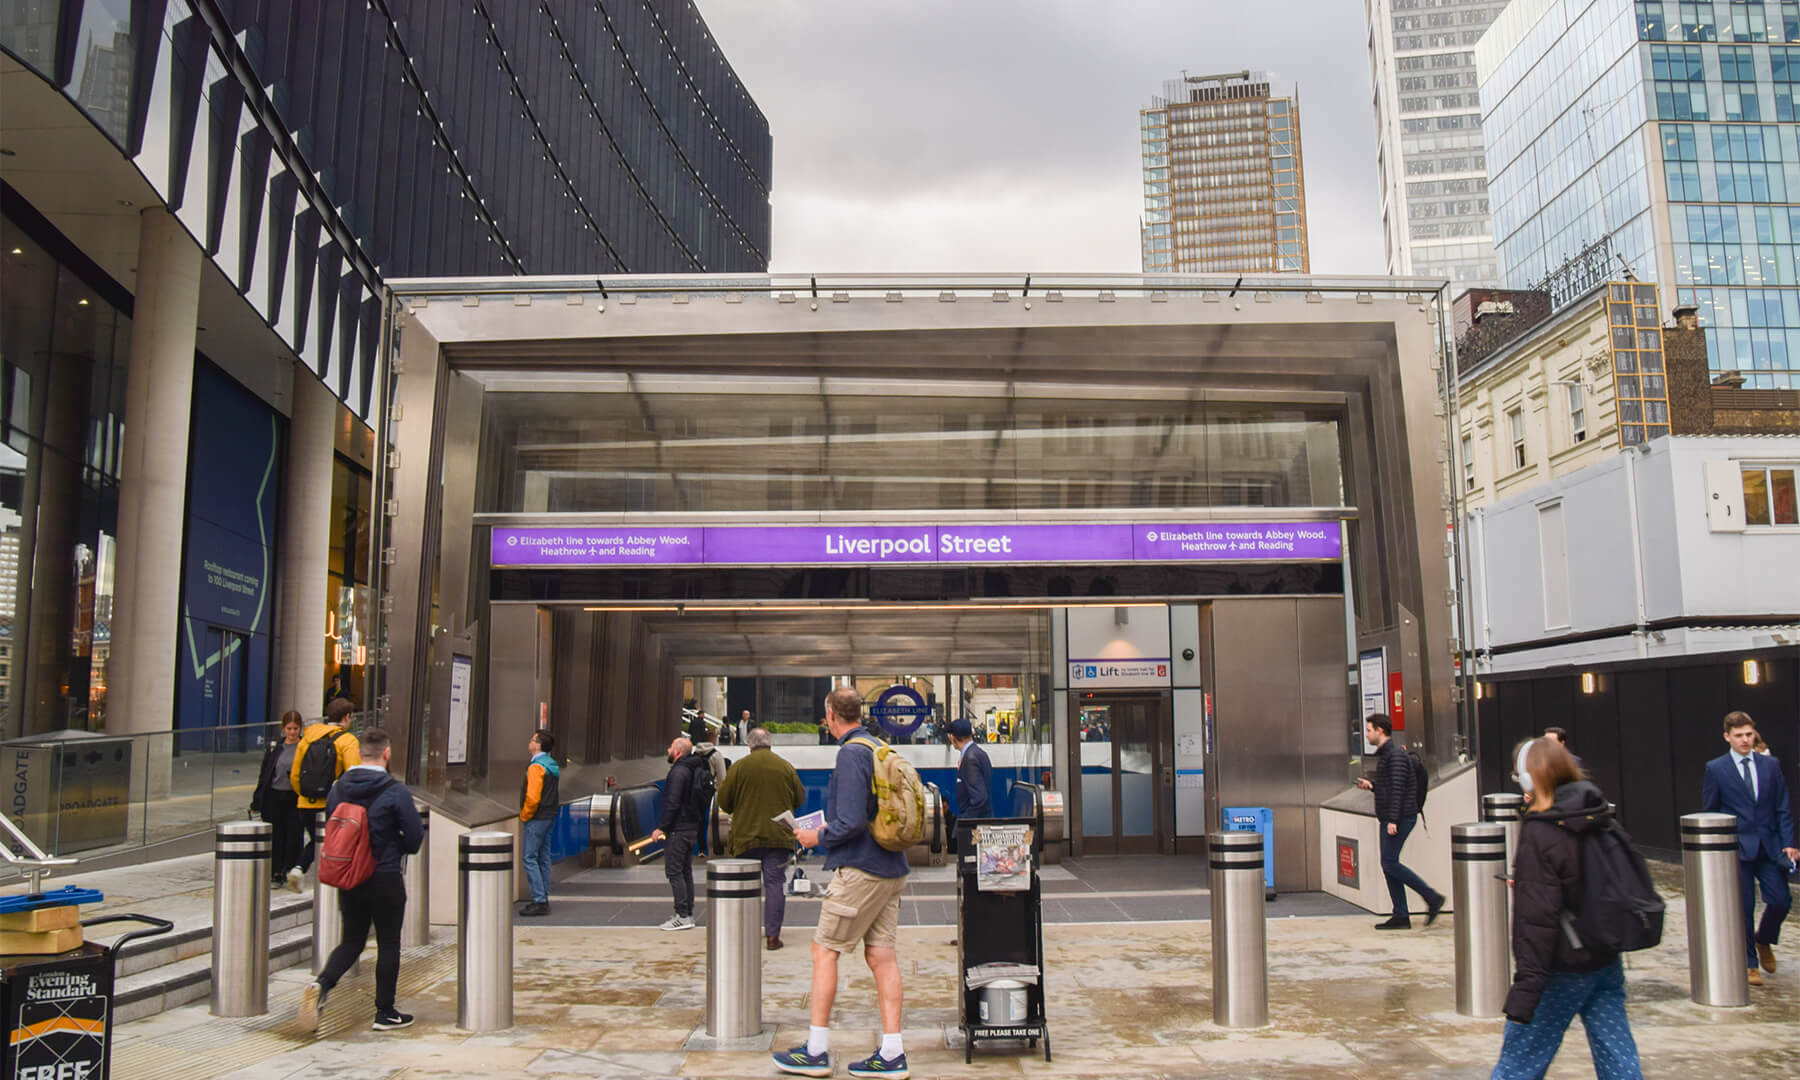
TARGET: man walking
(757,789)
(1750,785)
(394,832)
(685,795)
(1397,809)
(863,903)
(974,774)
(538,804)
(326,752)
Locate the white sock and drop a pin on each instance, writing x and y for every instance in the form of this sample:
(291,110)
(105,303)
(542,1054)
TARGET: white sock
(890,1046)
(818,1040)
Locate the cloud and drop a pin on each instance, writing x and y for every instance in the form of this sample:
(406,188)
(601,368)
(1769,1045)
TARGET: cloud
(1003,136)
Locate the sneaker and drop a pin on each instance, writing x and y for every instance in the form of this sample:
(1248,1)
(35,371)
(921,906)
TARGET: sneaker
(876,1065)
(800,1063)
(391,1020)
(312,1006)
(535,908)
(679,922)
(294,878)
(1394,924)
(1432,909)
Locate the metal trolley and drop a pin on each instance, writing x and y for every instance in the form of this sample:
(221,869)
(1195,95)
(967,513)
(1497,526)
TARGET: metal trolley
(1000,928)
(58,1009)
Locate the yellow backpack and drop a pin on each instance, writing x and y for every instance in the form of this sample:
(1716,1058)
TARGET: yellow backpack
(899,820)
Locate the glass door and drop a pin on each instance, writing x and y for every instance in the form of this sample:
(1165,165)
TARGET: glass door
(1126,793)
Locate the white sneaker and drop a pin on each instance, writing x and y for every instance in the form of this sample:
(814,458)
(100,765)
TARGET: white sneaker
(294,878)
(312,1006)
(678,922)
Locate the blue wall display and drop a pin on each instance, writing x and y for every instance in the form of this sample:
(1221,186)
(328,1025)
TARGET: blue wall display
(227,586)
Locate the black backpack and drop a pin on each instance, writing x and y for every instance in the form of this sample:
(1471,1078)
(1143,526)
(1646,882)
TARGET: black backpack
(1421,779)
(319,766)
(1620,910)
(702,785)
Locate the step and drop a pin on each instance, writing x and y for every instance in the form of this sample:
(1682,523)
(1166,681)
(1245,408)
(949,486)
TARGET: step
(179,982)
(192,937)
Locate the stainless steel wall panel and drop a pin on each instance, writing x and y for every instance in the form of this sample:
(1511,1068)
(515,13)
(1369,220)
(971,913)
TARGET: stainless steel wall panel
(1324,746)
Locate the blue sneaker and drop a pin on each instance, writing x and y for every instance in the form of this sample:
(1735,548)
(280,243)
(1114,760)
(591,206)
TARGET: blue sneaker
(876,1065)
(801,1063)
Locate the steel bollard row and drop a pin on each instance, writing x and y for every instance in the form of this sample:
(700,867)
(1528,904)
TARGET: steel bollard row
(1240,967)
(1717,972)
(1478,862)
(243,851)
(484,918)
(416,929)
(734,915)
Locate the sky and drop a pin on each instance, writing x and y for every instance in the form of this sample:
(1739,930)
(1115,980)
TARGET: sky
(999,135)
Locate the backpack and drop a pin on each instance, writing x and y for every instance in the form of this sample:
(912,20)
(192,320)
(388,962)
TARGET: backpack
(1620,910)
(319,766)
(1421,779)
(346,858)
(899,818)
(704,784)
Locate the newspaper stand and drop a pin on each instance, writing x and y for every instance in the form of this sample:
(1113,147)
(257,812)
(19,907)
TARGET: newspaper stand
(997,927)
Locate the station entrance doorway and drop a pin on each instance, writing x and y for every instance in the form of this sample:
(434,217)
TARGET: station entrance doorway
(1125,800)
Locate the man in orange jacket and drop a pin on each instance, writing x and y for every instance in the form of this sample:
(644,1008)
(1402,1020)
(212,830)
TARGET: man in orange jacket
(538,804)
(312,782)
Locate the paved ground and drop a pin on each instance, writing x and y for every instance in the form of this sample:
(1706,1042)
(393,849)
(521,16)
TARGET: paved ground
(1126,999)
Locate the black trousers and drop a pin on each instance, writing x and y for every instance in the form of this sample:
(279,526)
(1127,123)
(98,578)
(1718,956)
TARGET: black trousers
(678,864)
(283,815)
(379,902)
(309,830)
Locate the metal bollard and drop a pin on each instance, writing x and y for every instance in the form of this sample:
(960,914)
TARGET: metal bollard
(734,914)
(484,915)
(416,930)
(1718,971)
(242,854)
(1240,966)
(328,922)
(1507,808)
(1479,896)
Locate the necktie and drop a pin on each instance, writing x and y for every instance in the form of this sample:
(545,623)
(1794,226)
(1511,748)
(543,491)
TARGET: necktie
(1749,781)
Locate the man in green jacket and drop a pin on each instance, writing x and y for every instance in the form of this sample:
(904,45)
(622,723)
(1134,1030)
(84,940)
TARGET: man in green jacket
(755,791)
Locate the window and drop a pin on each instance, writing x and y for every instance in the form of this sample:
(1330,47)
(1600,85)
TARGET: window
(1737,75)
(1679,72)
(1769,495)
(1697,22)
(1577,412)
(1515,425)
(1747,22)
(1553,555)
(1650,20)
(1468,463)
(1784,65)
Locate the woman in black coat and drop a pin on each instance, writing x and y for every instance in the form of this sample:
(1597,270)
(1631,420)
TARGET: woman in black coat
(1554,980)
(274,800)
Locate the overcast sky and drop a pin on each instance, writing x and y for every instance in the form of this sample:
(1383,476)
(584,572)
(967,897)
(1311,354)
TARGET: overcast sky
(1001,135)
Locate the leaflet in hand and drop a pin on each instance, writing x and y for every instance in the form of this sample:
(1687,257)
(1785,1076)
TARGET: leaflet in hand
(814,820)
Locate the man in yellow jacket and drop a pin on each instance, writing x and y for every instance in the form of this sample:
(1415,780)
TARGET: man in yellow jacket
(313,785)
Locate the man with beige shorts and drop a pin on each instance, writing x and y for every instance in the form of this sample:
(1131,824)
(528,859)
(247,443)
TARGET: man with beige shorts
(863,903)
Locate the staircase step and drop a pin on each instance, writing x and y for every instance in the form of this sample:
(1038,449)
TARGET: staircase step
(190,979)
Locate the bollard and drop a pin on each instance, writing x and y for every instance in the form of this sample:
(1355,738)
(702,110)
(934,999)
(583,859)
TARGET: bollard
(328,922)
(242,853)
(1479,898)
(484,960)
(416,930)
(734,914)
(1718,972)
(1507,808)
(1240,966)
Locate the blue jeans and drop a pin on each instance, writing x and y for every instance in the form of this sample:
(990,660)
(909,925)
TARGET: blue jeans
(774,872)
(1599,998)
(537,856)
(1399,876)
(1776,901)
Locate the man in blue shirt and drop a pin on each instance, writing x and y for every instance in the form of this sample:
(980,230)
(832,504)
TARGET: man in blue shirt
(1750,785)
(974,776)
(863,902)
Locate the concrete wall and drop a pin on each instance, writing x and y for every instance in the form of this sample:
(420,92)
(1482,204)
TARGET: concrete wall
(1453,801)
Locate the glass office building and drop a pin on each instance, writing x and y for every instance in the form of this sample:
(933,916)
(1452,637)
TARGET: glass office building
(1667,128)
(1429,152)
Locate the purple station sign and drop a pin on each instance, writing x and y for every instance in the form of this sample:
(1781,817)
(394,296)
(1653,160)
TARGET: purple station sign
(550,547)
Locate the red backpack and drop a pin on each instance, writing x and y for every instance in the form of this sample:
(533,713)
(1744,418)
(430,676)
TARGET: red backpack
(346,858)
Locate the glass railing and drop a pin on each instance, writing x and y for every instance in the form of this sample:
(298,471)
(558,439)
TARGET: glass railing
(89,794)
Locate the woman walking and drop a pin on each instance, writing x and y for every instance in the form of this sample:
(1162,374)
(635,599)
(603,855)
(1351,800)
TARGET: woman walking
(274,800)
(1554,979)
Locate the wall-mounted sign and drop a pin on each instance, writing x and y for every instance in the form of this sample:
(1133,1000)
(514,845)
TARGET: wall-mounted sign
(899,710)
(1153,671)
(1371,684)
(1347,870)
(462,673)
(547,547)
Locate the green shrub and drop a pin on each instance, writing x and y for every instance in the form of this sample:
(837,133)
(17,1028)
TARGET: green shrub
(791,728)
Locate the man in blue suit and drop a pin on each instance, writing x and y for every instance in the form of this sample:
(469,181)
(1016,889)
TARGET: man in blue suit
(1750,785)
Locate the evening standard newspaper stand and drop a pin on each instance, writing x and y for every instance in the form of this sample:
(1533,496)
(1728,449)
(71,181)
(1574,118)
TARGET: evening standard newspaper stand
(1000,931)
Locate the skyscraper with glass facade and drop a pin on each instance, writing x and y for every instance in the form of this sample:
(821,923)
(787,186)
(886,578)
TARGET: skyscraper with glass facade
(1224,188)
(1668,128)
(1429,153)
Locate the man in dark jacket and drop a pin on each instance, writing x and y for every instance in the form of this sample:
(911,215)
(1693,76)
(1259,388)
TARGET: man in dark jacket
(757,789)
(1397,810)
(395,832)
(1750,786)
(679,829)
(974,774)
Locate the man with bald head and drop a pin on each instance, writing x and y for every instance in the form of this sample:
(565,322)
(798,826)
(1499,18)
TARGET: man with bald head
(679,829)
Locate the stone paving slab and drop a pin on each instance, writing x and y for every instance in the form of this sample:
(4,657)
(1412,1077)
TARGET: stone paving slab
(1125,1000)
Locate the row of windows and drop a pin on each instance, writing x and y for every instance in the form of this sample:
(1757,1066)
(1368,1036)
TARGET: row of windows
(1417,165)
(1413,42)
(1669,20)
(1440,62)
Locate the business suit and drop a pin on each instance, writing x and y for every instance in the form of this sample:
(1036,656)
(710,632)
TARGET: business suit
(1765,827)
